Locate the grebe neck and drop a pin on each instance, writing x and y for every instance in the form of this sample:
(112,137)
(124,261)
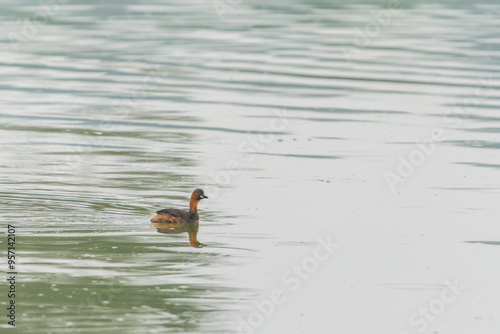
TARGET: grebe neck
(193,205)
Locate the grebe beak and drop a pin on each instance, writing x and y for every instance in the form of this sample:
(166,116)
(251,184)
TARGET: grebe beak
(204,196)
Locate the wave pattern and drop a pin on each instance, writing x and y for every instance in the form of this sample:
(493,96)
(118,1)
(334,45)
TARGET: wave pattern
(109,111)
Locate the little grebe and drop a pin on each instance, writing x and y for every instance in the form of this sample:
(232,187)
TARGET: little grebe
(177,221)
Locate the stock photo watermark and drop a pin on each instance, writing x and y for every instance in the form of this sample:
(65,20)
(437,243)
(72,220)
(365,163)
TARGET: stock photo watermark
(416,158)
(11,275)
(424,149)
(427,314)
(364,36)
(254,143)
(224,7)
(29,27)
(291,280)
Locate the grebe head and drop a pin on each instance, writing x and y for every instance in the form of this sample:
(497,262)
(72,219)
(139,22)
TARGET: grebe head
(198,194)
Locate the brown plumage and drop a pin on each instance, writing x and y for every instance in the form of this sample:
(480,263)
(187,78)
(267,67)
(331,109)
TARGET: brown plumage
(172,221)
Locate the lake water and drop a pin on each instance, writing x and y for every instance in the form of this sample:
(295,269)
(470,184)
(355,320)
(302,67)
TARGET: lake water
(300,120)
